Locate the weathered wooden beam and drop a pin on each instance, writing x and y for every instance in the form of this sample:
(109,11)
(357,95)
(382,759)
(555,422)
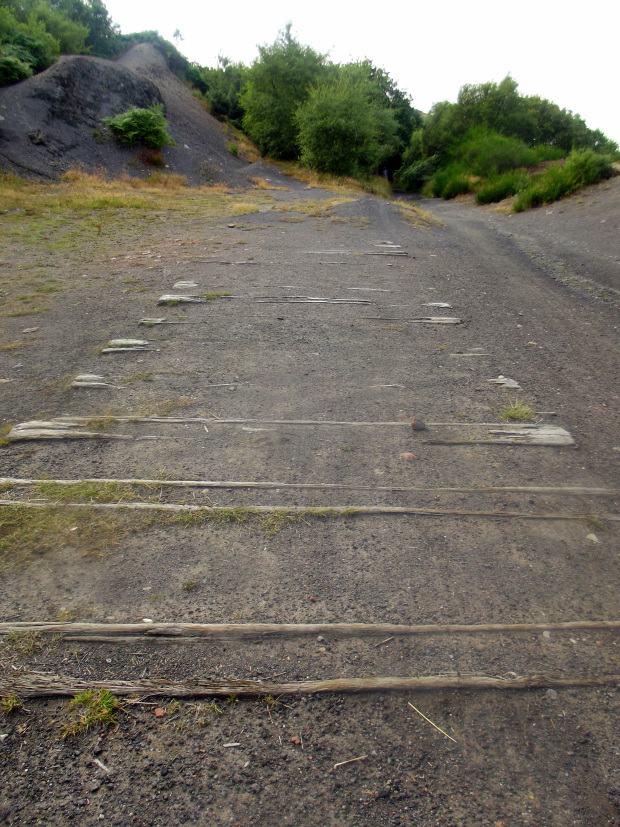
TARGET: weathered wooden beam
(325,511)
(33,685)
(239,631)
(567,491)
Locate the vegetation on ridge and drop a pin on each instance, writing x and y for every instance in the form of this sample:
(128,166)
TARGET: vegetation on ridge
(339,119)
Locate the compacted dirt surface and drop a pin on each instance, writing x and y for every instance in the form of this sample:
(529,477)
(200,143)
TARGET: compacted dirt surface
(492,534)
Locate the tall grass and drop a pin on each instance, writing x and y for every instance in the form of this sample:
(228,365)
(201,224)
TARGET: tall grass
(452,181)
(502,186)
(580,170)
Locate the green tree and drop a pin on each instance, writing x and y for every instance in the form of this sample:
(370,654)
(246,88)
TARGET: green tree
(28,41)
(384,94)
(343,130)
(224,84)
(496,106)
(277,83)
(33,33)
(70,34)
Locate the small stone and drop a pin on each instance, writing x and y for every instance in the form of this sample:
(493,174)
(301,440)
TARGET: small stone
(592,538)
(552,694)
(417,423)
(313,599)
(546,634)
(320,639)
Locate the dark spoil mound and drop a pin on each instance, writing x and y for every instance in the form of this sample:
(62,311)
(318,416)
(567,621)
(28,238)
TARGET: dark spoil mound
(54,121)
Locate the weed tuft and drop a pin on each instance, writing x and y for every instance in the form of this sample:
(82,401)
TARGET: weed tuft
(10,703)
(211,296)
(100,423)
(518,411)
(595,523)
(91,709)
(274,521)
(66,615)
(23,644)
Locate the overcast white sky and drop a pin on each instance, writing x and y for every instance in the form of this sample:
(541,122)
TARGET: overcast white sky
(568,54)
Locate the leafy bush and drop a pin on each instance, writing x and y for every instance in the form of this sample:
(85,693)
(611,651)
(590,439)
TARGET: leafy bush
(488,153)
(12,69)
(502,186)
(147,126)
(412,177)
(580,170)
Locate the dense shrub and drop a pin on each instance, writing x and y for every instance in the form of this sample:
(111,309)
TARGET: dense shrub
(342,131)
(145,126)
(489,153)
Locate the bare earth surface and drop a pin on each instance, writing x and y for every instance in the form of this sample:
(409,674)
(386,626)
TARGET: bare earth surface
(529,310)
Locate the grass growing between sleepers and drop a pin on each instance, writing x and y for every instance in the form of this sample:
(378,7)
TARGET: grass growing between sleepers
(28,533)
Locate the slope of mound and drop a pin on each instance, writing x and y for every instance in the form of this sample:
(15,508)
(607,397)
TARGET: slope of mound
(53,121)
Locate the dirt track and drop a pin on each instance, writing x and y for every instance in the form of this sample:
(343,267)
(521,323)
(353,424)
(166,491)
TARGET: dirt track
(542,757)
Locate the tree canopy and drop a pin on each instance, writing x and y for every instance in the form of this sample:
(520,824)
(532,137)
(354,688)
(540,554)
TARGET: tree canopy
(276,84)
(343,130)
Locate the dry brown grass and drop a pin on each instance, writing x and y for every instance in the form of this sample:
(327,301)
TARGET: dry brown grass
(263,184)
(245,148)
(376,185)
(315,208)
(421,219)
